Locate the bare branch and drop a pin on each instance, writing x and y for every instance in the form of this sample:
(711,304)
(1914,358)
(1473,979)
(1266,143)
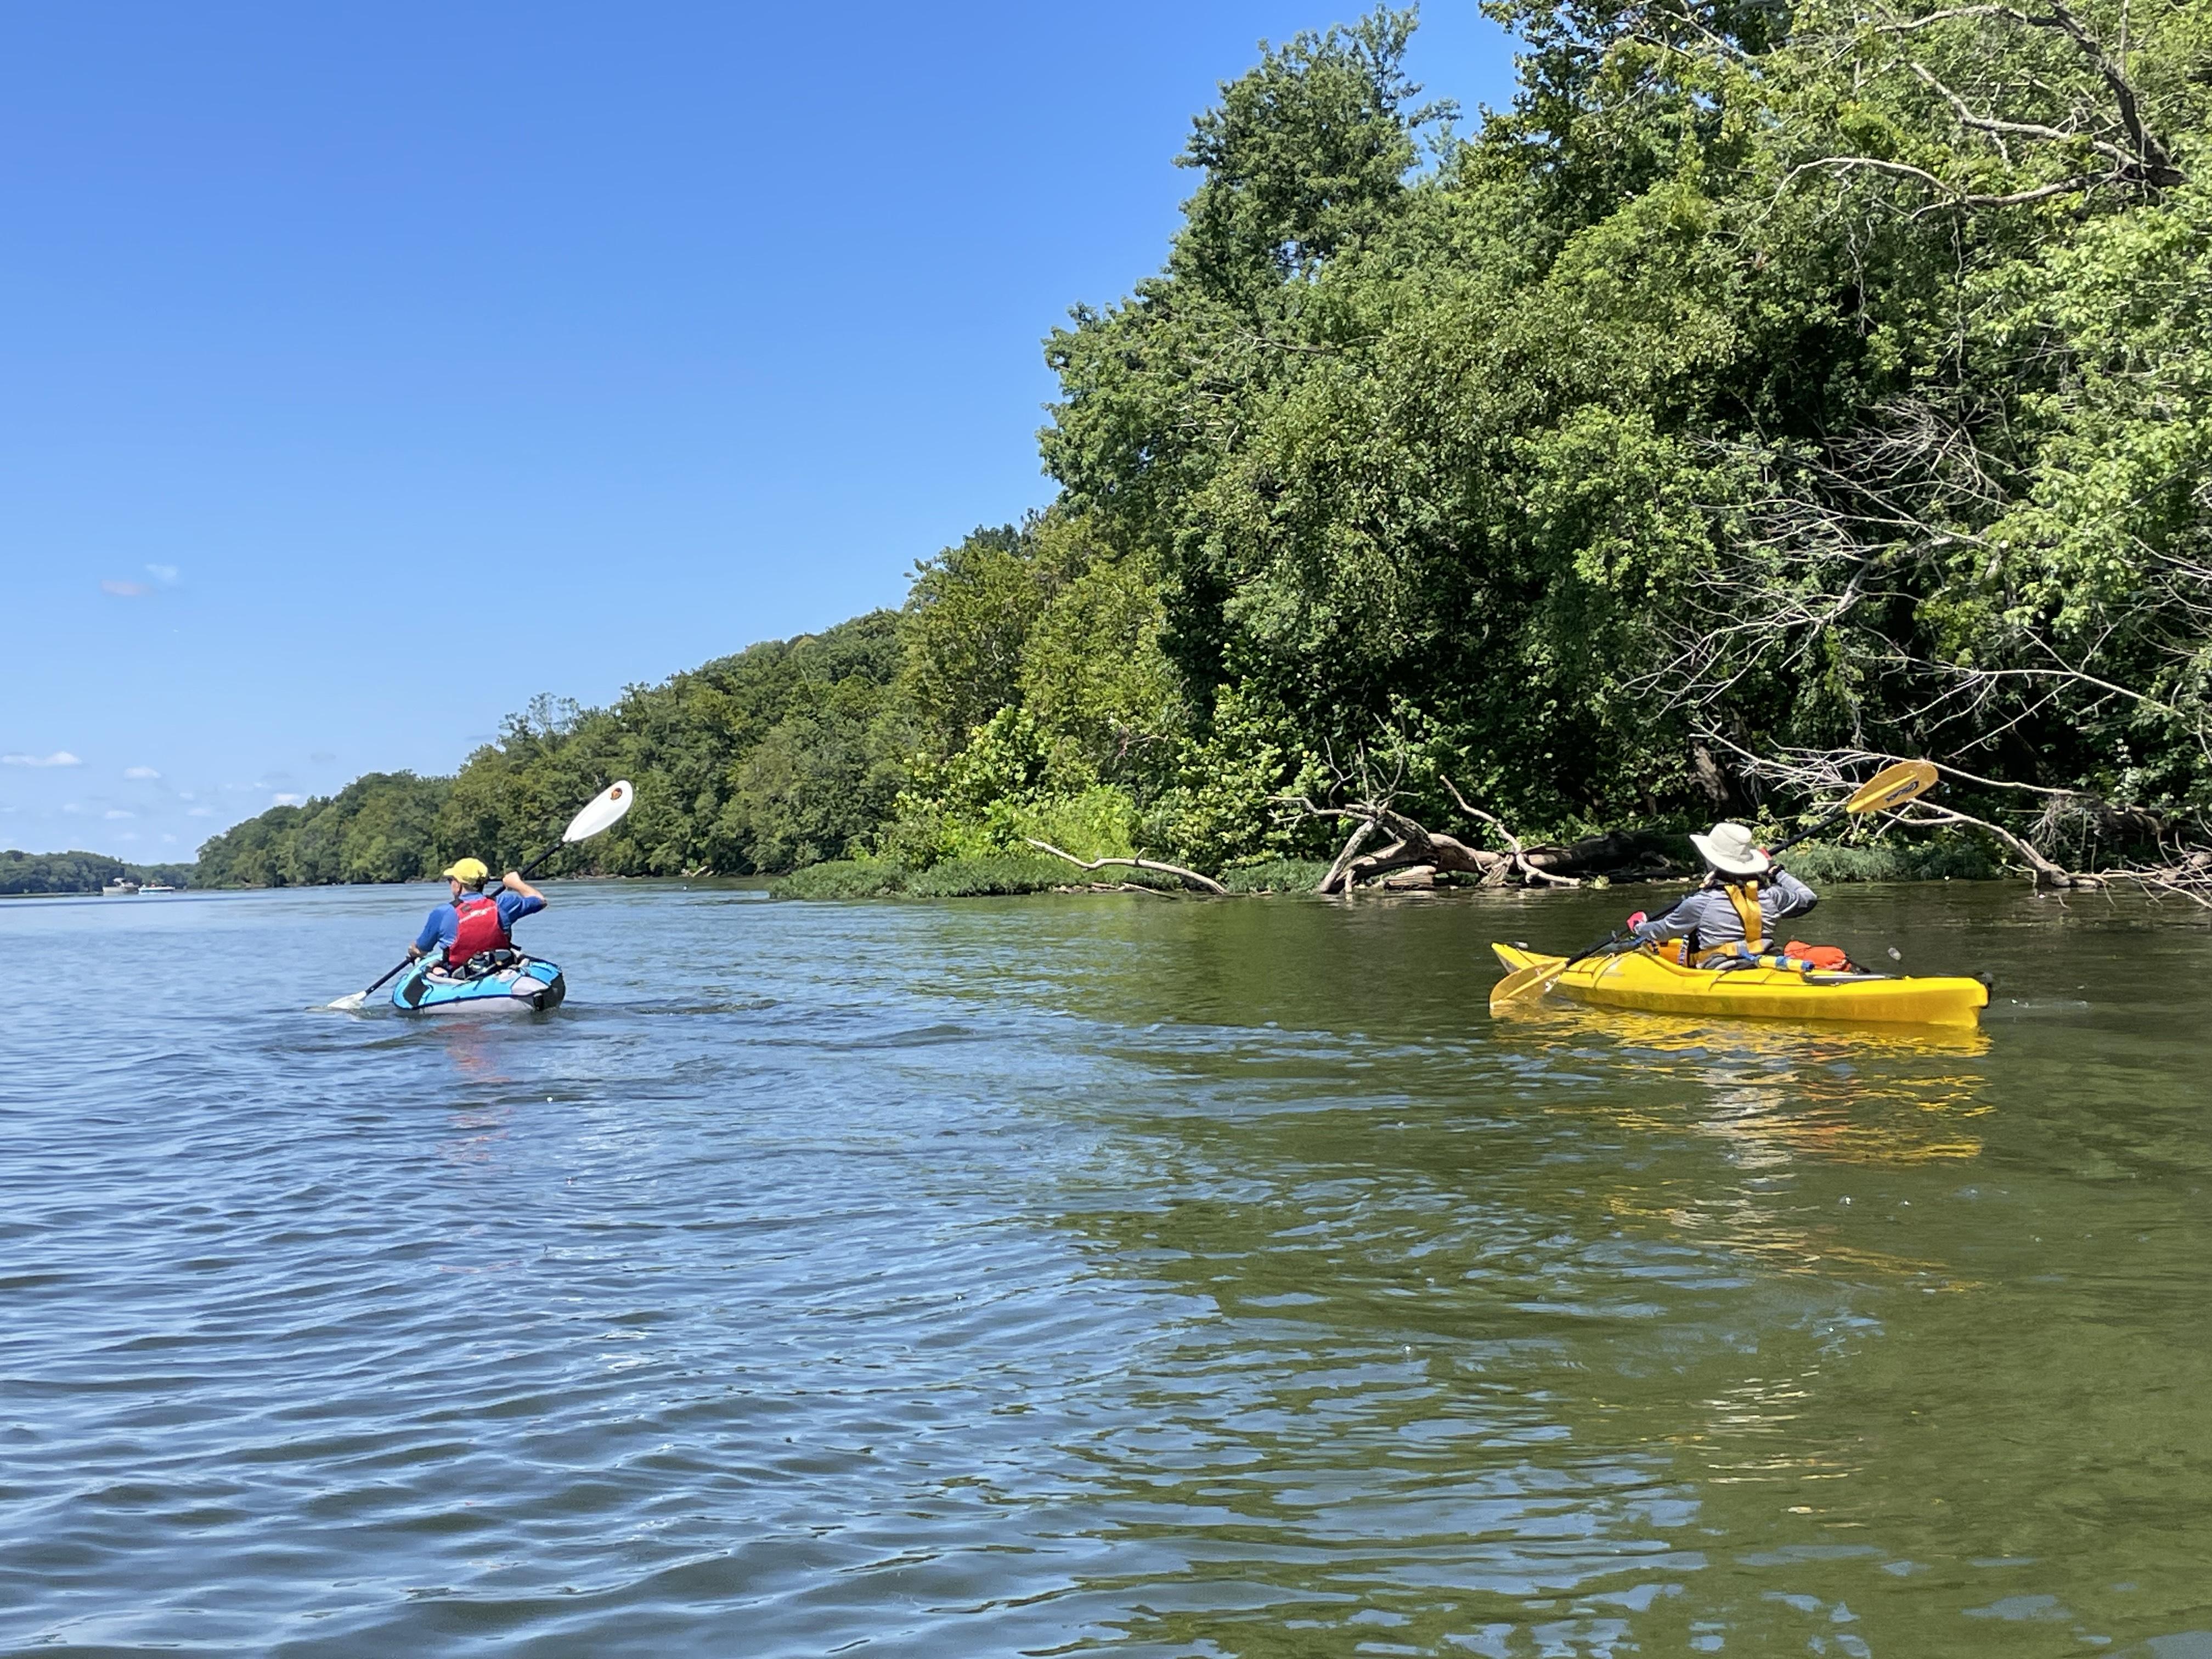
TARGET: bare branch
(1191,875)
(2154,154)
(2048,873)
(1873,161)
(1512,842)
(2146,160)
(1950,15)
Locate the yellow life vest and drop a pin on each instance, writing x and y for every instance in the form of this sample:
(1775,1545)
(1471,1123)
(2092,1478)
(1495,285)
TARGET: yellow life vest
(1744,896)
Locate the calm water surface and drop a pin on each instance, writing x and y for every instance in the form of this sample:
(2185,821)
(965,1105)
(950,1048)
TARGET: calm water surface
(1038,1276)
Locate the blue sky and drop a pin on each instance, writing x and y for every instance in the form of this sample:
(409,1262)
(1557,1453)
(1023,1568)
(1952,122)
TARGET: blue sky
(365,371)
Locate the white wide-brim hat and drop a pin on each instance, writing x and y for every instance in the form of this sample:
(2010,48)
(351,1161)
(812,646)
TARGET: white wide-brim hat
(1729,850)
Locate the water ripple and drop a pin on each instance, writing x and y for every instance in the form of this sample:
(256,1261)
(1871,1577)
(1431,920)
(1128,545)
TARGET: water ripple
(1036,1277)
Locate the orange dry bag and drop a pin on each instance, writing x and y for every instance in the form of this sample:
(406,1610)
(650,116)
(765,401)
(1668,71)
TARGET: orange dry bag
(1823,958)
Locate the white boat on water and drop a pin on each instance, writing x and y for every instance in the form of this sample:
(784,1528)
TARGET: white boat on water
(157,887)
(119,889)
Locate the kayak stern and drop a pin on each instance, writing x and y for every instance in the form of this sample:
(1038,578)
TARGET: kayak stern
(529,986)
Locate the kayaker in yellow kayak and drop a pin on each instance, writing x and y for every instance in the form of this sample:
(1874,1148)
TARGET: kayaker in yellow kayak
(1735,913)
(1729,925)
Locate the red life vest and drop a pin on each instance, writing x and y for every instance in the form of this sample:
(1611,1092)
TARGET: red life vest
(479,929)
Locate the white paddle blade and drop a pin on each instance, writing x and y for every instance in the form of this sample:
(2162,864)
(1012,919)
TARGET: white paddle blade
(603,812)
(350,1002)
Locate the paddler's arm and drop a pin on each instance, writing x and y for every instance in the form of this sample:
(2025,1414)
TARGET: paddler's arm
(1791,896)
(520,899)
(1676,922)
(427,940)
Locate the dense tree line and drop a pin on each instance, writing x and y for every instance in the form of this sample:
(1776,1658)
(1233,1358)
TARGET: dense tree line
(79,873)
(1765,391)
(781,755)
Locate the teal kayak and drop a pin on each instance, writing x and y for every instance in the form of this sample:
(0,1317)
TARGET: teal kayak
(525,983)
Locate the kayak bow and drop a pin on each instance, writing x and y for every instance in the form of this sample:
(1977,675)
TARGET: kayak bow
(1640,979)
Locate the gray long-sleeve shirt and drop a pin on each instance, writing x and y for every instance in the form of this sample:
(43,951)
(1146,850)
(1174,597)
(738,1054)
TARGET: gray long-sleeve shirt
(1709,913)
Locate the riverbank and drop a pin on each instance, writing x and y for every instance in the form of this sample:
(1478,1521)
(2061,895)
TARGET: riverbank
(59,875)
(1823,864)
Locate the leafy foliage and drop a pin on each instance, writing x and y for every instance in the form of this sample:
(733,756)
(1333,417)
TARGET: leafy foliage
(782,754)
(1765,380)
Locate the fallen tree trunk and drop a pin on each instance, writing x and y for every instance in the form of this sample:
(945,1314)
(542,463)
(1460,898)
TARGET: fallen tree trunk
(2047,872)
(1618,855)
(1414,847)
(1362,833)
(1415,844)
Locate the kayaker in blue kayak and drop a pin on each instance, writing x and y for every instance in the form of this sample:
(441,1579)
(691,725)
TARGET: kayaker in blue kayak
(1735,913)
(473,922)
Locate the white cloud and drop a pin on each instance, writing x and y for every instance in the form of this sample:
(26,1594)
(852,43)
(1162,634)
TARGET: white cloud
(60,757)
(128,835)
(162,572)
(140,772)
(287,800)
(116,813)
(166,836)
(199,811)
(125,590)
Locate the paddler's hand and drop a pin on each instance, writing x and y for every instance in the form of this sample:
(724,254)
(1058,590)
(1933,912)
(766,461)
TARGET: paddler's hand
(514,883)
(414,953)
(1637,920)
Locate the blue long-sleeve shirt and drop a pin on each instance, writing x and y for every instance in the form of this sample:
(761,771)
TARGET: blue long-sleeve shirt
(1709,913)
(444,921)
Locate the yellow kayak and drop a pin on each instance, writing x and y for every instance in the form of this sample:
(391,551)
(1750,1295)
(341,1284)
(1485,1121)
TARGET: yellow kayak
(1640,979)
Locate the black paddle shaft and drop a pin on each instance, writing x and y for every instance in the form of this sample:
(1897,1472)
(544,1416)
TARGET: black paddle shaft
(388,972)
(530,868)
(1611,938)
(1827,822)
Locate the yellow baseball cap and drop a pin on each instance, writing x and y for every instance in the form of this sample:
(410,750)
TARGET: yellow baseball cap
(466,870)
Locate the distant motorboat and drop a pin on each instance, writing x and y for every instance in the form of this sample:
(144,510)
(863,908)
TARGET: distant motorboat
(157,887)
(119,889)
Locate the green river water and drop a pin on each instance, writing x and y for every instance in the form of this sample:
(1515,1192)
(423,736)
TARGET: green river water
(1165,1276)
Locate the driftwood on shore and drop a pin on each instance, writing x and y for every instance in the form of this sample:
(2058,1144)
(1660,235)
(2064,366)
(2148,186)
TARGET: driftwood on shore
(1386,849)
(1411,855)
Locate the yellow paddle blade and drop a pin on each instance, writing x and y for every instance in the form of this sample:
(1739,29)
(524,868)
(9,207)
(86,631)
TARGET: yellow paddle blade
(1526,984)
(1892,786)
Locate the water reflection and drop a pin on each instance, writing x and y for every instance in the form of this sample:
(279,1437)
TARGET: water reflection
(1176,1278)
(1505,1332)
(1772,1091)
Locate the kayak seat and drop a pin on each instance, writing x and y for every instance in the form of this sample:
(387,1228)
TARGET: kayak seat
(1826,961)
(482,963)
